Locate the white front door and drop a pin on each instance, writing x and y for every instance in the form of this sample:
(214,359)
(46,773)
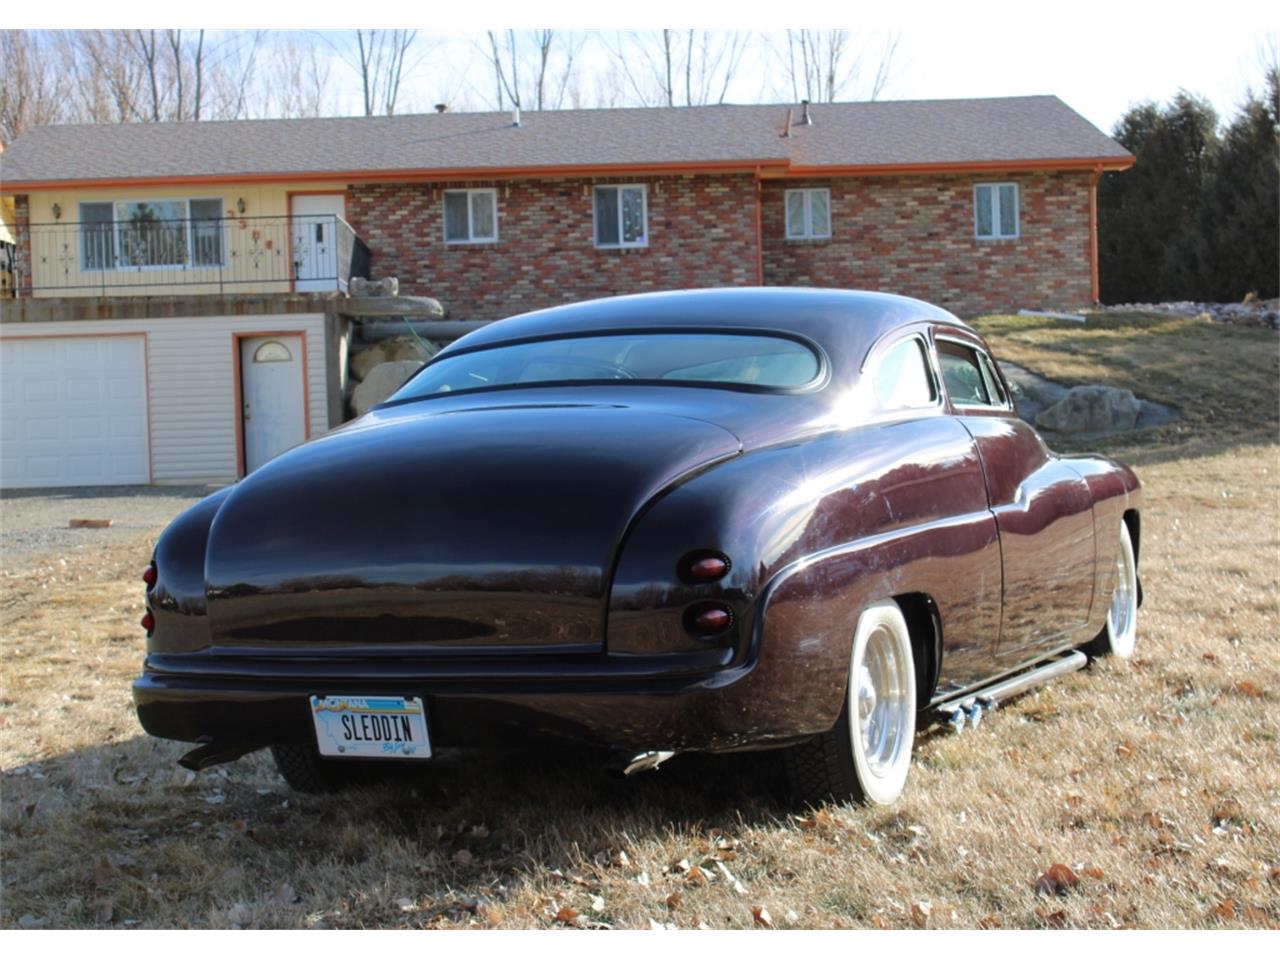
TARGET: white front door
(73,411)
(315,241)
(272,408)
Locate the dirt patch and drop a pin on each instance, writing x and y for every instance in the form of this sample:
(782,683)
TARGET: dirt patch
(33,522)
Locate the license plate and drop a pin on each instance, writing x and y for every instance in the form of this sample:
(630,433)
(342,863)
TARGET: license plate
(388,728)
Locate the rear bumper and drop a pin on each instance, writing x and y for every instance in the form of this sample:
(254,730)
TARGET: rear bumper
(715,710)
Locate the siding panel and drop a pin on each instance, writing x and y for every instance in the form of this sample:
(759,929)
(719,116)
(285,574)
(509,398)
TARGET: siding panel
(192,394)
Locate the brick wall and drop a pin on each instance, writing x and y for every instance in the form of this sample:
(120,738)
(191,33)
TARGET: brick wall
(914,236)
(701,234)
(909,235)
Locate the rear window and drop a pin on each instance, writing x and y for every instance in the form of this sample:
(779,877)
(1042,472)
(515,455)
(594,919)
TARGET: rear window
(713,359)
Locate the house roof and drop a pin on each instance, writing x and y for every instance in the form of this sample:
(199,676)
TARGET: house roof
(1003,133)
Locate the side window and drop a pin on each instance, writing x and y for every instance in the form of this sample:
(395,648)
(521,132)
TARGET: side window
(965,382)
(994,387)
(902,379)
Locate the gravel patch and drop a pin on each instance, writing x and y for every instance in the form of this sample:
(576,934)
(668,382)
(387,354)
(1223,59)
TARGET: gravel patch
(35,522)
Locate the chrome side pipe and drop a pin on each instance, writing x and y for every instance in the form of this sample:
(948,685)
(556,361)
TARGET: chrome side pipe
(646,761)
(971,707)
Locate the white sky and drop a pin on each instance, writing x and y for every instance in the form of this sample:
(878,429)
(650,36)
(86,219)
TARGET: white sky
(1099,57)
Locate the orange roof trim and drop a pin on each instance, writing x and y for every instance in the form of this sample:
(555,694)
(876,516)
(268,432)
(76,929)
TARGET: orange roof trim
(761,168)
(403,176)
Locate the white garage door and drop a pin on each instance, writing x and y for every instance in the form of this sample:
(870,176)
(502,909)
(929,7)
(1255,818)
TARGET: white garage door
(73,411)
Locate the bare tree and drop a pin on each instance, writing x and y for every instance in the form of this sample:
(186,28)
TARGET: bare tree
(34,89)
(546,59)
(105,82)
(677,67)
(299,81)
(379,58)
(824,65)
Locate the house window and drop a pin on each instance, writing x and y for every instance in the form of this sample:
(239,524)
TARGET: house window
(808,214)
(622,216)
(471,216)
(995,211)
(141,234)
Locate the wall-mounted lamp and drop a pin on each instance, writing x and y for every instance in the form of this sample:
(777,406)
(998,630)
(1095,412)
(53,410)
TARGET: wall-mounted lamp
(240,205)
(57,212)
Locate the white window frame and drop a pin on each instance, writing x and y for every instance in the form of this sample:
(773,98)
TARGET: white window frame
(595,226)
(995,212)
(808,214)
(116,220)
(471,232)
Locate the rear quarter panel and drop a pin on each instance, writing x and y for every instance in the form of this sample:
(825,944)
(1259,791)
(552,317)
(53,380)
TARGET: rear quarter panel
(1116,491)
(817,529)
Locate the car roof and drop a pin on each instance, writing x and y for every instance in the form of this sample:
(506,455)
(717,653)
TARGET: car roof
(845,323)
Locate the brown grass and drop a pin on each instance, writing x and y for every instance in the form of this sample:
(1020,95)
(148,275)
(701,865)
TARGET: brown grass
(1155,781)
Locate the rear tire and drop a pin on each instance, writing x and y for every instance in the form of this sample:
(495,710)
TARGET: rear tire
(1120,634)
(866,755)
(307,772)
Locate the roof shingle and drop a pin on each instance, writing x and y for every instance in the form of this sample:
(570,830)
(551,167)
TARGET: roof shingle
(887,133)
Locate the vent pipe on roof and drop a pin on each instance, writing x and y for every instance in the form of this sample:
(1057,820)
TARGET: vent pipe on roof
(515,117)
(805,119)
(786,130)
(442,108)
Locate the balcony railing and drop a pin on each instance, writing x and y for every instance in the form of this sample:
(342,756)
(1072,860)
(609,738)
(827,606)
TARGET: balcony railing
(312,252)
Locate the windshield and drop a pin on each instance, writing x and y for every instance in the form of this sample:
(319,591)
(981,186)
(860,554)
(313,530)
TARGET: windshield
(755,360)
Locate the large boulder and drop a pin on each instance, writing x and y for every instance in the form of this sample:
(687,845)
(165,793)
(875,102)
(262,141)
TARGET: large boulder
(1094,409)
(382,381)
(397,348)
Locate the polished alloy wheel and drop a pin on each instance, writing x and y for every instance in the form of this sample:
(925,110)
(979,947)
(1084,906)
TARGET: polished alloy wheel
(882,705)
(1122,618)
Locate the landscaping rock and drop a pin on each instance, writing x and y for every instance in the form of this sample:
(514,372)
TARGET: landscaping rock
(386,287)
(1094,409)
(397,348)
(1253,312)
(382,381)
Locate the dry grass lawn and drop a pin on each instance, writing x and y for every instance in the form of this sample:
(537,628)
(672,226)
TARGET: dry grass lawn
(1154,783)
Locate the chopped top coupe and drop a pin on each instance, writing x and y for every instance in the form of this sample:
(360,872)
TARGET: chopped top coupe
(710,520)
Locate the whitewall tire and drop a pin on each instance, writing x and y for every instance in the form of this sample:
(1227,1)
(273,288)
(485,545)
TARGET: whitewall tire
(866,756)
(1122,616)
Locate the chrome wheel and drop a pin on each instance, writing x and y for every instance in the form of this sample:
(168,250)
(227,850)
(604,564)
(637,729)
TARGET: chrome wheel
(882,703)
(1122,618)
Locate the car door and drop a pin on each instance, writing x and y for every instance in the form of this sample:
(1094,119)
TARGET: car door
(1042,507)
(937,483)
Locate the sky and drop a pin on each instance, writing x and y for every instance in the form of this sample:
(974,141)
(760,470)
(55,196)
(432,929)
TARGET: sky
(1099,57)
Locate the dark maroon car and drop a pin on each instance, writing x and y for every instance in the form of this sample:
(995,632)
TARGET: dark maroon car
(700,521)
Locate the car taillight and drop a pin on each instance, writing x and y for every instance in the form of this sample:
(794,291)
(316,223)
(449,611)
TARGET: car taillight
(704,566)
(149,576)
(708,619)
(148,622)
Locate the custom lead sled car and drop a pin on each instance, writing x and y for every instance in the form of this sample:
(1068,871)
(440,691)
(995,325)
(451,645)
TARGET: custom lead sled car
(700,521)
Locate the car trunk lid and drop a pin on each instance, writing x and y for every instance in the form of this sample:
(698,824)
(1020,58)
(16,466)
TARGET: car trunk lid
(483,529)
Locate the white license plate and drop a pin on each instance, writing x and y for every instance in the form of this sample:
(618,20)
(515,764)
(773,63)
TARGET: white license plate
(388,728)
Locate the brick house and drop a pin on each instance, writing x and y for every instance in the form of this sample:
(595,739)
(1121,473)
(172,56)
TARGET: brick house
(973,204)
(154,265)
